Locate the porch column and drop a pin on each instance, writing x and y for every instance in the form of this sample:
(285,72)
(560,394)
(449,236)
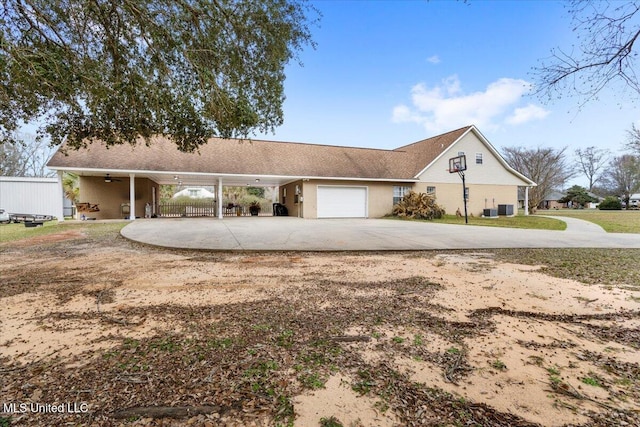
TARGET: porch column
(219,197)
(526,200)
(153,201)
(60,207)
(132,196)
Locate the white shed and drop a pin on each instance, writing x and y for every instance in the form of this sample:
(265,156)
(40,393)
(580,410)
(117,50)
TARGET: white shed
(38,196)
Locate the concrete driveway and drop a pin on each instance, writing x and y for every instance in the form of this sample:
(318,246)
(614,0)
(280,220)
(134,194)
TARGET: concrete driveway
(296,234)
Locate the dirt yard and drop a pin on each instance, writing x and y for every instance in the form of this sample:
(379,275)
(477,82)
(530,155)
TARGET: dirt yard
(107,332)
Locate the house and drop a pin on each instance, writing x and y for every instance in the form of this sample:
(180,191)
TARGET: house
(314,181)
(593,205)
(551,201)
(195,193)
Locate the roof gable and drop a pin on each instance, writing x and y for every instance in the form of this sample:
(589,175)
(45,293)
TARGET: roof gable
(428,150)
(459,136)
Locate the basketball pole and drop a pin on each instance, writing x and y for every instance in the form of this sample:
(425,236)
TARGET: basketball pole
(464,196)
(459,164)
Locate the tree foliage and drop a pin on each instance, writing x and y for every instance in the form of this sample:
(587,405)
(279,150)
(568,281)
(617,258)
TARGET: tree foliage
(418,206)
(256,191)
(26,156)
(624,176)
(547,167)
(610,203)
(121,70)
(71,186)
(578,196)
(592,162)
(633,140)
(606,51)
(245,196)
(167,191)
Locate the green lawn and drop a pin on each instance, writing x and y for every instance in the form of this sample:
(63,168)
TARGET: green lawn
(518,221)
(13,232)
(612,221)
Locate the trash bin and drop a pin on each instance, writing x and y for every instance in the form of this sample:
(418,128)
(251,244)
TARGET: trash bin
(125,210)
(280,210)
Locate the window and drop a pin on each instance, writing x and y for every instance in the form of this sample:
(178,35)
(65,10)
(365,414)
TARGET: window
(431,190)
(466,193)
(478,158)
(399,192)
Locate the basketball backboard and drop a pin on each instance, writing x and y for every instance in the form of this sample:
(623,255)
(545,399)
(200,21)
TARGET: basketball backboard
(458,164)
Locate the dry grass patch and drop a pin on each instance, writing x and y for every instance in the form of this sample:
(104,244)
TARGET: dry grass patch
(146,336)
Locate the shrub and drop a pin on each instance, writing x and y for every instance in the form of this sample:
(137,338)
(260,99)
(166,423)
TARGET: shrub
(610,203)
(578,196)
(418,206)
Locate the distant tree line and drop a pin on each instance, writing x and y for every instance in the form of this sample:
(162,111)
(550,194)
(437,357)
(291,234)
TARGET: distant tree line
(27,156)
(607,174)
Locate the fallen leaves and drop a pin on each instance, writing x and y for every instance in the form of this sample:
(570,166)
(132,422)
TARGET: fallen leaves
(242,363)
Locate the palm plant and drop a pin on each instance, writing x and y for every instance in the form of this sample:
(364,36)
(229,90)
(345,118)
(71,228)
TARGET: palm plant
(71,187)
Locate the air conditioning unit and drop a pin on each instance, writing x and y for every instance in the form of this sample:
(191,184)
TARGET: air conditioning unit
(490,213)
(505,210)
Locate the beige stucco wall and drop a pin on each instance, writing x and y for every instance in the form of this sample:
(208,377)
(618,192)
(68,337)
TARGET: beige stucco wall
(379,196)
(481,197)
(491,171)
(490,183)
(295,209)
(110,195)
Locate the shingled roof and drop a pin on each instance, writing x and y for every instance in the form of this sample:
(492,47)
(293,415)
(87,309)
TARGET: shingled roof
(258,157)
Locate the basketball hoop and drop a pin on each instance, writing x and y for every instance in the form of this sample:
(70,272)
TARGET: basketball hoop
(458,165)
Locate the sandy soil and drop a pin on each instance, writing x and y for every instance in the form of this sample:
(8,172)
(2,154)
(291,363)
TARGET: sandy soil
(542,350)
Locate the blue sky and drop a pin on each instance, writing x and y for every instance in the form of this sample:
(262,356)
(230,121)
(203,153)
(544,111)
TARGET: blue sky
(388,73)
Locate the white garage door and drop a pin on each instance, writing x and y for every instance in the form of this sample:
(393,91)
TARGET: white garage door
(342,202)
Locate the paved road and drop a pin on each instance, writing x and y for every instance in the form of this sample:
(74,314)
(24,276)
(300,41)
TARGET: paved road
(296,234)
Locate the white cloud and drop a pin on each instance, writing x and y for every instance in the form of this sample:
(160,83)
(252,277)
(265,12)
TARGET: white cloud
(434,59)
(526,114)
(403,114)
(446,106)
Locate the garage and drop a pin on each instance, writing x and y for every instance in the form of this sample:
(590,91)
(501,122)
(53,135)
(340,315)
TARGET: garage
(342,202)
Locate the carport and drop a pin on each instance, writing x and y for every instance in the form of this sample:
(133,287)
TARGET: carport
(106,180)
(313,181)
